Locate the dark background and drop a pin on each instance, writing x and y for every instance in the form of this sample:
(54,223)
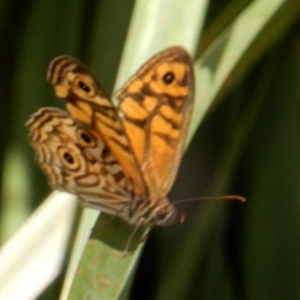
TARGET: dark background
(224,250)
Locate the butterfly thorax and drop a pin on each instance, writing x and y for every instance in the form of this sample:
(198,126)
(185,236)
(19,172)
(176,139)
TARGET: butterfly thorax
(152,212)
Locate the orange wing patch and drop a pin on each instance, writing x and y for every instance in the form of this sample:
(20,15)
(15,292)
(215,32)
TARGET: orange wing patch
(157,114)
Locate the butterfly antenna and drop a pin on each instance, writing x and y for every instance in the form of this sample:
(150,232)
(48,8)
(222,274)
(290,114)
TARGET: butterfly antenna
(226,197)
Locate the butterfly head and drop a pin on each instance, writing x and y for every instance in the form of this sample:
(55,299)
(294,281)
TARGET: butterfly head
(167,214)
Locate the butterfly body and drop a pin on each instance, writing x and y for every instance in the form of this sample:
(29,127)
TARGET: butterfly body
(124,165)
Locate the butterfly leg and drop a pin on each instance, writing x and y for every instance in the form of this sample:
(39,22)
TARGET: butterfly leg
(145,233)
(136,228)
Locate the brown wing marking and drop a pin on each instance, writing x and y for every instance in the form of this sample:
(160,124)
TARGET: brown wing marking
(157,104)
(89,104)
(77,162)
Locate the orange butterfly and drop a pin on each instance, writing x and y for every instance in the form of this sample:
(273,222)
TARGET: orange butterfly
(125,165)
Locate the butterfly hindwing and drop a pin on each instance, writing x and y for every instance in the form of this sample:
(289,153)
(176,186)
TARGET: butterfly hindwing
(77,162)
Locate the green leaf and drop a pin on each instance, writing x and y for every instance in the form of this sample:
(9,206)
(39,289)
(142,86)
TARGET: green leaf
(247,143)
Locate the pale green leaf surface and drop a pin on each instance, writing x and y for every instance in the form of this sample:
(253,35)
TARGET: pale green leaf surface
(32,258)
(216,65)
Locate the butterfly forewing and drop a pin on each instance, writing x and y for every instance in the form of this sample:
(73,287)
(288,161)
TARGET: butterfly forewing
(156,104)
(89,104)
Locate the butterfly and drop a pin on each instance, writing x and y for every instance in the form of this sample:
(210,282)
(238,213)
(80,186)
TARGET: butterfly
(121,160)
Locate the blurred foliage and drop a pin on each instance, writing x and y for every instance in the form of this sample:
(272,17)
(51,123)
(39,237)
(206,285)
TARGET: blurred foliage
(250,251)
(43,31)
